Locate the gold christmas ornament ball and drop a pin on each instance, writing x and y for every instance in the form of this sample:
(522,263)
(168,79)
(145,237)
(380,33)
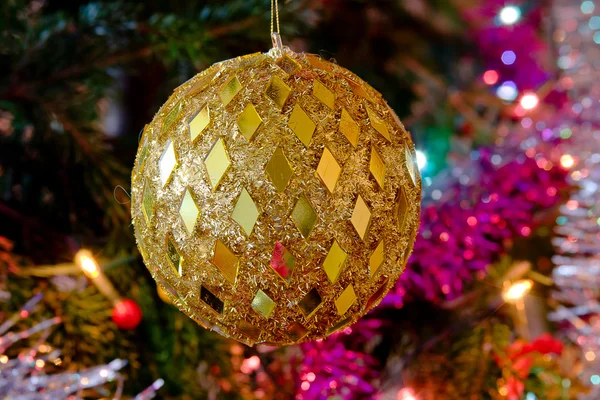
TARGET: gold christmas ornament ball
(275,197)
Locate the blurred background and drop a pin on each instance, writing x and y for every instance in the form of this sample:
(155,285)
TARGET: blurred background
(500,297)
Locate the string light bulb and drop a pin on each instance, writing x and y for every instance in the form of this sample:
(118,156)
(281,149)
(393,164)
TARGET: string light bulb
(529,101)
(85,260)
(509,15)
(517,290)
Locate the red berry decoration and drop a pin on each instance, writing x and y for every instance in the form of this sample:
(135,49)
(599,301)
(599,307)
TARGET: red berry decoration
(127,314)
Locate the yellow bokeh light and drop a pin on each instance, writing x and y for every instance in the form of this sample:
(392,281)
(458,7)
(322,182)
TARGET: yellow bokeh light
(567,161)
(85,260)
(517,290)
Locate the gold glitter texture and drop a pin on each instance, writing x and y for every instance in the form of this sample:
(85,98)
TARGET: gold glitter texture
(217,162)
(245,212)
(249,121)
(226,261)
(257,174)
(301,124)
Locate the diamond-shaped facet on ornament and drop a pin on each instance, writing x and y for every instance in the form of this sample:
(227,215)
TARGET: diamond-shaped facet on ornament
(361,217)
(328,170)
(377,167)
(174,257)
(278,91)
(296,331)
(167,163)
(410,165)
(249,121)
(288,64)
(339,326)
(143,153)
(402,209)
(322,93)
(188,211)
(263,304)
(283,262)
(226,261)
(309,303)
(211,300)
(171,116)
(345,301)
(318,62)
(217,162)
(304,216)
(349,128)
(378,295)
(279,170)
(230,90)
(301,124)
(378,124)
(147,202)
(376,259)
(334,262)
(199,123)
(249,330)
(245,212)
(359,90)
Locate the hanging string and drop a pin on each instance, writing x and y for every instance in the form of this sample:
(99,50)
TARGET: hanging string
(274,15)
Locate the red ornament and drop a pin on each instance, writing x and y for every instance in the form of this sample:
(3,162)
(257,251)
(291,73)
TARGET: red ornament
(126,314)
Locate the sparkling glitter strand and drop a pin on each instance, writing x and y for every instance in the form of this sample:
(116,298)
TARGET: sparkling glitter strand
(23,377)
(577,236)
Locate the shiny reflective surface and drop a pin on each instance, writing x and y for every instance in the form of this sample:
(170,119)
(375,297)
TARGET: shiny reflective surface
(279,170)
(349,128)
(334,262)
(322,93)
(304,216)
(361,217)
(249,121)
(245,212)
(226,261)
(278,91)
(199,123)
(230,90)
(301,124)
(167,163)
(217,162)
(328,170)
(188,211)
(377,167)
(263,304)
(346,300)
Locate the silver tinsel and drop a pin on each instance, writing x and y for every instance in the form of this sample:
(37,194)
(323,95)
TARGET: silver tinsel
(577,235)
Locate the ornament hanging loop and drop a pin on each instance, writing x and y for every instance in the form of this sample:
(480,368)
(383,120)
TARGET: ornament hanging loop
(275,37)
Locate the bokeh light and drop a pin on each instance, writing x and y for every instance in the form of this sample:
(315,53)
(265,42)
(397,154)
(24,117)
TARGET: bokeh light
(421,160)
(490,77)
(529,101)
(507,91)
(509,15)
(508,57)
